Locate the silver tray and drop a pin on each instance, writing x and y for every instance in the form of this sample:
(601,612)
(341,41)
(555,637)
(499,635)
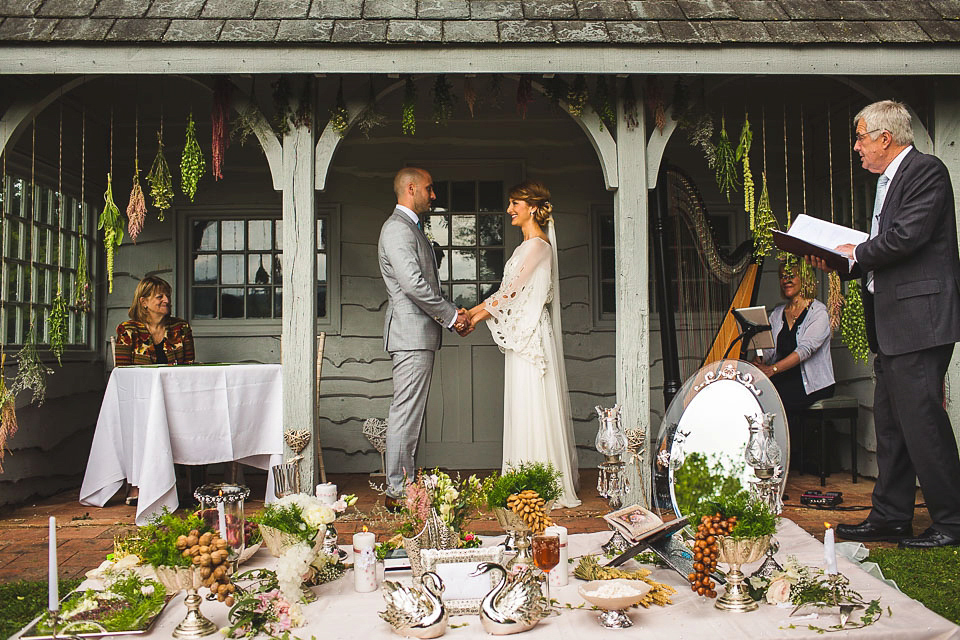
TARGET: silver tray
(32,634)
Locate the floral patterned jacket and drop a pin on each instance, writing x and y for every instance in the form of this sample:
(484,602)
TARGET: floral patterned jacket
(135,345)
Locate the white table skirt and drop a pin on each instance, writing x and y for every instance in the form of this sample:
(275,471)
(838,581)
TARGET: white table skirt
(153,417)
(341,613)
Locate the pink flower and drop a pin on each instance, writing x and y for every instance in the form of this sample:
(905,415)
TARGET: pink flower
(778,592)
(468,537)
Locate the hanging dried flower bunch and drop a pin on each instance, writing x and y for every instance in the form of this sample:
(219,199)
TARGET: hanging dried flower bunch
(370,118)
(160,180)
(339,116)
(655,102)
(281,106)
(81,283)
(494,94)
(112,224)
(409,116)
(192,164)
(700,134)
(578,96)
(852,325)
(57,324)
(835,300)
(31,372)
(726,166)
(603,103)
(8,411)
(557,90)
(469,95)
(765,223)
(220,125)
(137,207)
(443,99)
(524,95)
(630,113)
(743,155)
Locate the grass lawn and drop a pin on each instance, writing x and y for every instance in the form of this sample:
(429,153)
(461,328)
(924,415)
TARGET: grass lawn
(931,577)
(21,601)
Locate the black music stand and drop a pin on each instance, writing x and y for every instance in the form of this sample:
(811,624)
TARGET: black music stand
(752,331)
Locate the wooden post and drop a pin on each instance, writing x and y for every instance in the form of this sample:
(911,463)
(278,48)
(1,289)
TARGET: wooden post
(946,146)
(631,224)
(298,345)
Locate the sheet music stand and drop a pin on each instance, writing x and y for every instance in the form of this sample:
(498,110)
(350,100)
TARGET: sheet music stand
(756,332)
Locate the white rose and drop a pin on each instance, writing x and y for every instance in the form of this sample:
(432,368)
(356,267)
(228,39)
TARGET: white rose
(778,592)
(318,517)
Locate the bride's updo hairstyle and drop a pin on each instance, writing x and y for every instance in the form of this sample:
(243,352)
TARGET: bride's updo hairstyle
(535,194)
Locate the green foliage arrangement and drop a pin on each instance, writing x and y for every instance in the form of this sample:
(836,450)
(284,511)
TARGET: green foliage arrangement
(57,324)
(754,518)
(192,164)
(409,110)
(112,224)
(161,183)
(156,543)
(726,165)
(443,100)
(21,601)
(698,480)
(340,117)
(131,611)
(287,518)
(764,223)
(853,327)
(538,476)
(578,96)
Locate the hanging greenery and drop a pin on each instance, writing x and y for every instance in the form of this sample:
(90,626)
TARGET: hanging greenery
(137,207)
(743,155)
(370,118)
(765,223)
(835,300)
(220,125)
(31,372)
(281,106)
(655,102)
(8,411)
(112,224)
(603,103)
(556,89)
(408,122)
(852,325)
(192,164)
(160,180)
(524,95)
(578,96)
(81,283)
(696,121)
(339,116)
(630,113)
(469,95)
(303,117)
(726,164)
(443,100)
(494,94)
(57,324)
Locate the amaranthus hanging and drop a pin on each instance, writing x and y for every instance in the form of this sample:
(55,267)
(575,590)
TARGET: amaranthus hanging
(409,116)
(339,116)
(112,224)
(220,126)
(743,156)
(137,207)
(192,164)
(443,100)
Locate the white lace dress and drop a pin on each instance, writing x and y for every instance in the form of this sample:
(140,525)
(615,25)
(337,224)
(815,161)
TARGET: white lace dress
(537,423)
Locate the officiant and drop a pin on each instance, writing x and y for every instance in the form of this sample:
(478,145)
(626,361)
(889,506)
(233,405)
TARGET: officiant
(800,367)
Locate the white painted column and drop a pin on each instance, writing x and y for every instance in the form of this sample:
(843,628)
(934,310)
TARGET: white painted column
(631,223)
(946,146)
(299,337)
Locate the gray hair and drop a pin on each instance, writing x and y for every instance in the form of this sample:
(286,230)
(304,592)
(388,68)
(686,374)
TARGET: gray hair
(887,115)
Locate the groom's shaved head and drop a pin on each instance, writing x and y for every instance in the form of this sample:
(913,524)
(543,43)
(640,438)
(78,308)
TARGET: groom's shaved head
(405,177)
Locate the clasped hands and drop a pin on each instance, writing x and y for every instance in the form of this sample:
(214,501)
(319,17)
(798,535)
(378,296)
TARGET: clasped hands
(464,324)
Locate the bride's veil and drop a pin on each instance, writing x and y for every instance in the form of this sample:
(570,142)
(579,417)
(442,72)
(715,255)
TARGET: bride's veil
(558,345)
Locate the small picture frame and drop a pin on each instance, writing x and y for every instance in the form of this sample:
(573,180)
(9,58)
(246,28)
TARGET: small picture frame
(462,592)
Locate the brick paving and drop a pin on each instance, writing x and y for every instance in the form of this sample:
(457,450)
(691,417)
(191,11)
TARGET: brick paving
(85,534)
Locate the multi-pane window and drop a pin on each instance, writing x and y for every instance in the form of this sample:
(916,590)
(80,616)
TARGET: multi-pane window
(607,265)
(466,228)
(237,267)
(41,245)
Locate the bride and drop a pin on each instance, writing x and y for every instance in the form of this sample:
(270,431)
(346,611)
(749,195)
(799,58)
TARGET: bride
(524,318)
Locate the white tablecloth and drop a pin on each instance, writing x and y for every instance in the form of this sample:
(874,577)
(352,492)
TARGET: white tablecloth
(341,613)
(153,417)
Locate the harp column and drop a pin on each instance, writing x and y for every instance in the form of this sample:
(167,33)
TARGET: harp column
(631,225)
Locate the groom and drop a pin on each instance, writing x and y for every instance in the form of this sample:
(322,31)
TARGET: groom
(416,313)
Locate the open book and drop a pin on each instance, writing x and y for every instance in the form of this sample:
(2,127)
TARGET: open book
(633,522)
(809,236)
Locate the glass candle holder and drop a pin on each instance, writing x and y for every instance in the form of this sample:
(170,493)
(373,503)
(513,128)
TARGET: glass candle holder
(221,507)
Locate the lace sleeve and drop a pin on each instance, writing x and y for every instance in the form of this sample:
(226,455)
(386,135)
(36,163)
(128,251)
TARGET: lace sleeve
(516,308)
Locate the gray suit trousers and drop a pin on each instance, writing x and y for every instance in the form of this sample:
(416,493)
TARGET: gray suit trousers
(412,372)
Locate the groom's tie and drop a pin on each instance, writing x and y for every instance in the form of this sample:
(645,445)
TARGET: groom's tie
(875,224)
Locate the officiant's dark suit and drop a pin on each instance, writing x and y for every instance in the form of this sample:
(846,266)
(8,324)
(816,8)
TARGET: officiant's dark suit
(913,320)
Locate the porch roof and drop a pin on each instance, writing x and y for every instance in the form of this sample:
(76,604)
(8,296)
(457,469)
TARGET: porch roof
(482,22)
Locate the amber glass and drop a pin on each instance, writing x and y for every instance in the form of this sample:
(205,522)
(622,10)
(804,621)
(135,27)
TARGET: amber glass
(546,552)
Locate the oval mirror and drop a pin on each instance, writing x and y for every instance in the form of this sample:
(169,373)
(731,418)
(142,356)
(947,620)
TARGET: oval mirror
(704,432)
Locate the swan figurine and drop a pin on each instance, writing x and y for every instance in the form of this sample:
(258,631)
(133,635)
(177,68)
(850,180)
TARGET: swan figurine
(416,612)
(512,606)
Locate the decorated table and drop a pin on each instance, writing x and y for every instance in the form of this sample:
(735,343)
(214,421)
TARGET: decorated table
(153,417)
(341,612)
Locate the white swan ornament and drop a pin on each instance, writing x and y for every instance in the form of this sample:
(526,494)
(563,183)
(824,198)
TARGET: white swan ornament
(416,612)
(512,606)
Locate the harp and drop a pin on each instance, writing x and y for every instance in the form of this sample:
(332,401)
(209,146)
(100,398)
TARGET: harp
(698,282)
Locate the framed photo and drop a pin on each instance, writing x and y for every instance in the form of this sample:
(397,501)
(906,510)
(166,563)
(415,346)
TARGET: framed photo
(462,592)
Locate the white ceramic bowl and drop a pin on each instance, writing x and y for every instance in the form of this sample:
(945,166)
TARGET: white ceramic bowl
(588,591)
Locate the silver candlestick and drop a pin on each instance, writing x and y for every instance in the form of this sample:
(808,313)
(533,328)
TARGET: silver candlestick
(612,482)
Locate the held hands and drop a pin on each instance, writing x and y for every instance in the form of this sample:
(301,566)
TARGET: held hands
(463,324)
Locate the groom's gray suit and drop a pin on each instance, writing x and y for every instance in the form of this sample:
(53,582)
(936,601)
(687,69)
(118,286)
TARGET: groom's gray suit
(416,314)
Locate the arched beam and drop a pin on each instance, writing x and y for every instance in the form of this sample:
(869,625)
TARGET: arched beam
(598,135)
(656,146)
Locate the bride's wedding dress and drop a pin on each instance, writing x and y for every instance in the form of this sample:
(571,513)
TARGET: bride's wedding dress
(525,323)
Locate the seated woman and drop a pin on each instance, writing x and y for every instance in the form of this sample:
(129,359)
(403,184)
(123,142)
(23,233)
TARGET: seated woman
(152,335)
(801,367)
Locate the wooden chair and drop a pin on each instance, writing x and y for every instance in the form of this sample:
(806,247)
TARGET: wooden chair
(821,412)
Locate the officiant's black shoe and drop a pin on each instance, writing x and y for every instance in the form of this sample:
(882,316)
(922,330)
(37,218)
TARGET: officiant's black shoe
(930,539)
(868,531)
(393,505)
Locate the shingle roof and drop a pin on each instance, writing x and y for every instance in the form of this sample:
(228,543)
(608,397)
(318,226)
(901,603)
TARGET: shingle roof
(458,22)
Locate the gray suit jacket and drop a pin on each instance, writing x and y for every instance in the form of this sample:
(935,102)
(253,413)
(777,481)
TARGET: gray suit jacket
(914,259)
(417,312)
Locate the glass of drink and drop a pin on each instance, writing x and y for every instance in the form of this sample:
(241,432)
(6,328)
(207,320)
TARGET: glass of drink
(546,555)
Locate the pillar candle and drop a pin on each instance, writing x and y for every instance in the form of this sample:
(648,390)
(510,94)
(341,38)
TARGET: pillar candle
(222,520)
(559,576)
(327,493)
(829,550)
(52,587)
(364,562)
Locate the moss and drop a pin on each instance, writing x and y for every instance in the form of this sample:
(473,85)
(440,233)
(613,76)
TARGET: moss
(22,601)
(931,576)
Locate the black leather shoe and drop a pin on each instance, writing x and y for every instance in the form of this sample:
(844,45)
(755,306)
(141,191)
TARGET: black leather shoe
(868,531)
(393,505)
(930,539)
